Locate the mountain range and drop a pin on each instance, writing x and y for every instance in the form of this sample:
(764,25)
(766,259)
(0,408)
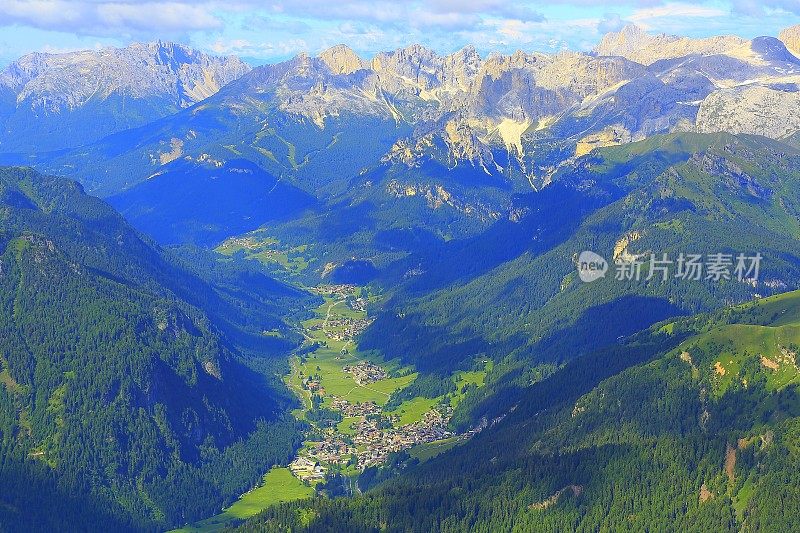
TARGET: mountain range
(514,117)
(50,102)
(172,225)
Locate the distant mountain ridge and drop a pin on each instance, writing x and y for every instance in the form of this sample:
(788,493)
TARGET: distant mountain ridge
(791,38)
(513,117)
(127,87)
(633,43)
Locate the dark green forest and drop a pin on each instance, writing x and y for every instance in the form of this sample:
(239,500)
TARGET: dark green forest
(122,390)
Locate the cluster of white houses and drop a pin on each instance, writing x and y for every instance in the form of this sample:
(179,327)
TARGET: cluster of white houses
(338,291)
(365,372)
(346,328)
(371,441)
(355,409)
(375,444)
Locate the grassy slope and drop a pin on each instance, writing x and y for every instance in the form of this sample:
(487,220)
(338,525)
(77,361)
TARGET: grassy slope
(764,346)
(426,451)
(278,485)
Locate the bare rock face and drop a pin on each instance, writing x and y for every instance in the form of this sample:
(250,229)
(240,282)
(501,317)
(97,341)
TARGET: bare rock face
(341,59)
(471,105)
(791,38)
(54,83)
(458,109)
(54,101)
(490,112)
(755,110)
(633,43)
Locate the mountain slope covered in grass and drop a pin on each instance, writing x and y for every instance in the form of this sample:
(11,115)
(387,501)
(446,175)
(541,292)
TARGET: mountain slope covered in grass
(52,102)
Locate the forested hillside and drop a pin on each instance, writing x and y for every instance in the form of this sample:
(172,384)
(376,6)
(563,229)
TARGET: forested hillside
(513,293)
(117,373)
(206,203)
(675,428)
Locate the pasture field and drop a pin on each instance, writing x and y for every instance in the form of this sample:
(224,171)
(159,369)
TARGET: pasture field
(278,485)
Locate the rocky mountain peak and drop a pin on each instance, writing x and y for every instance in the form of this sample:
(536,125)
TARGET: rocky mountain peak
(467,56)
(630,33)
(791,38)
(406,59)
(459,68)
(54,83)
(626,42)
(341,59)
(772,50)
(496,64)
(634,43)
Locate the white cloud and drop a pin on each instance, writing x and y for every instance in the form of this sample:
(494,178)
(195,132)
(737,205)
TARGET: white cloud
(610,22)
(248,48)
(760,7)
(274,29)
(104,18)
(646,17)
(42,13)
(158,15)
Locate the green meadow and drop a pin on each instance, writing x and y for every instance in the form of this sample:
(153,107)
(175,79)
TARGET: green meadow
(331,356)
(278,485)
(426,451)
(268,251)
(737,354)
(412,410)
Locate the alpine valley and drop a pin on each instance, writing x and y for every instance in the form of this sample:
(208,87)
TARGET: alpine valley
(340,293)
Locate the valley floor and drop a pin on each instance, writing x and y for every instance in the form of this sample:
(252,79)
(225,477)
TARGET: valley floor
(344,394)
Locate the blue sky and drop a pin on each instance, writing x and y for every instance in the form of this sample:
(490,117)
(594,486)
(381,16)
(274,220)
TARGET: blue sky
(273,30)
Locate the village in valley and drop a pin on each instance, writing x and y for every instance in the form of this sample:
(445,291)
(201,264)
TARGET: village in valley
(345,395)
(370,444)
(351,423)
(365,373)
